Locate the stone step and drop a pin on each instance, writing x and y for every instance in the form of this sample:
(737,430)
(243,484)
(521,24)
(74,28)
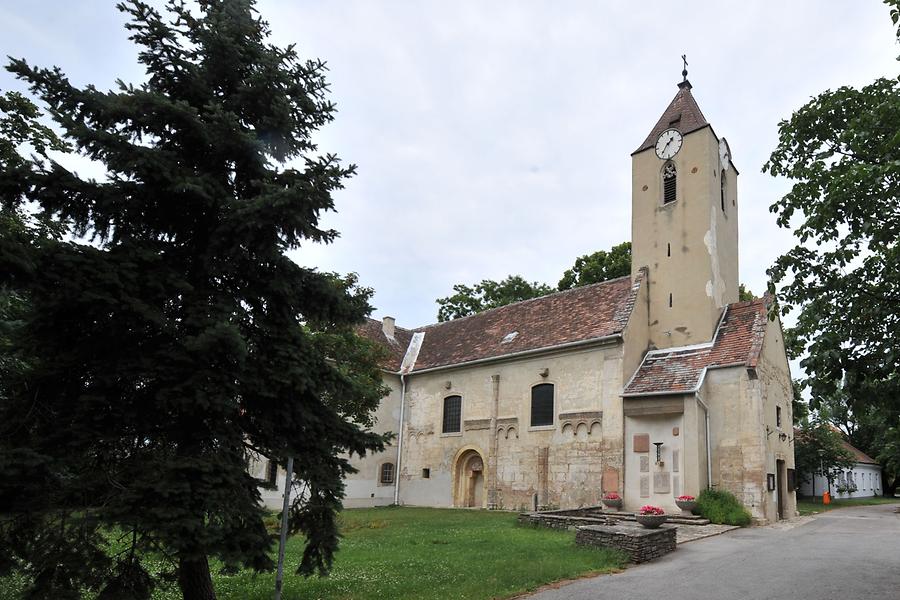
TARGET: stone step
(676,519)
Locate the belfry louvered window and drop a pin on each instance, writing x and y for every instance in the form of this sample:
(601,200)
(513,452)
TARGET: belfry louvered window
(452,414)
(669,176)
(542,404)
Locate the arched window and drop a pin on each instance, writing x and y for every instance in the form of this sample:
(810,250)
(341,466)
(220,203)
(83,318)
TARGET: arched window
(722,185)
(452,414)
(387,473)
(669,177)
(542,404)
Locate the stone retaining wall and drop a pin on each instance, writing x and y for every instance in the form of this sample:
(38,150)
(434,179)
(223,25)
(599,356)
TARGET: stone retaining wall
(639,543)
(553,520)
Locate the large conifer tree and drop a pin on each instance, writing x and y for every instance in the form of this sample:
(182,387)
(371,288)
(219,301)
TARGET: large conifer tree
(170,336)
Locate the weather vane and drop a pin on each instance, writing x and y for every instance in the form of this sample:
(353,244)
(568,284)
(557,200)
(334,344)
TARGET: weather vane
(684,72)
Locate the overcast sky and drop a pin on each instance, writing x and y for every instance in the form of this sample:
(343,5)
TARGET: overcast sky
(494,138)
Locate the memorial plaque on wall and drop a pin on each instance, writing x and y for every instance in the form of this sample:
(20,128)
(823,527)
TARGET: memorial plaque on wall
(610,481)
(676,455)
(645,486)
(661,483)
(645,464)
(641,442)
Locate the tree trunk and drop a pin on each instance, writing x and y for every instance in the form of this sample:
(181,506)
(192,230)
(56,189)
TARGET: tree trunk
(194,579)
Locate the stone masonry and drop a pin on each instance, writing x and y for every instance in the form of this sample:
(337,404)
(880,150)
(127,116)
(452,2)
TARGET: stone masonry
(640,544)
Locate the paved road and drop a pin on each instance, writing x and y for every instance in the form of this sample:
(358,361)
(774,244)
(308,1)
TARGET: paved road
(845,554)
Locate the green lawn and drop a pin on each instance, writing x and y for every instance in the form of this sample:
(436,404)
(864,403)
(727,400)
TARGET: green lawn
(432,553)
(811,506)
(423,553)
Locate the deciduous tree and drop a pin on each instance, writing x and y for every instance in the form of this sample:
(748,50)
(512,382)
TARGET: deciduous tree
(469,300)
(818,451)
(597,267)
(842,151)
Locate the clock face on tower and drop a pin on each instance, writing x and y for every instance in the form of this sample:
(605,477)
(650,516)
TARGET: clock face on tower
(668,144)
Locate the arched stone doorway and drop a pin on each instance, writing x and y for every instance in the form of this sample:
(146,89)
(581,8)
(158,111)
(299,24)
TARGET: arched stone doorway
(469,476)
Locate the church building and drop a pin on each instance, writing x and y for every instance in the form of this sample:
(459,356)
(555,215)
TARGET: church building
(653,385)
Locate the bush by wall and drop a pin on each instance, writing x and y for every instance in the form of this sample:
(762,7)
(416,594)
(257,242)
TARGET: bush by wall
(722,507)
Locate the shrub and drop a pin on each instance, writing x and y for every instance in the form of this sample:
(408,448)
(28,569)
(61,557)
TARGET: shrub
(722,507)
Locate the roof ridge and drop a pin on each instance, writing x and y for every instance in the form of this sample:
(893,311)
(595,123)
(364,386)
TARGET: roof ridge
(496,308)
(381,321)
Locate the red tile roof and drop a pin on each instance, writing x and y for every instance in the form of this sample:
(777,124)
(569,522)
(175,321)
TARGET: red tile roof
(738,341)
(859,454)
(396,347)
(577,315)
(682,114)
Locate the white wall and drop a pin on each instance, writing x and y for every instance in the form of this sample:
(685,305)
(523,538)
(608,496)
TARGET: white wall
(866,476)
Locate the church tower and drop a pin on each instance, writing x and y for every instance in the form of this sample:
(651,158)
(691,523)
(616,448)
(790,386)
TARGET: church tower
(684,225)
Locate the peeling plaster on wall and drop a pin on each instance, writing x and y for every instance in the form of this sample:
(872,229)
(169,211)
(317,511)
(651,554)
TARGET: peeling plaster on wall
(715,288)
(412,353)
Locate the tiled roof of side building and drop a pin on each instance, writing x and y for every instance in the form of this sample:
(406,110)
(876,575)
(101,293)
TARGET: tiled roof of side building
(578,315)
(859,454)
(738,341)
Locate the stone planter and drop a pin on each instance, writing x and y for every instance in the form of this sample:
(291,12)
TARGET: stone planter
(687,506)
(651,521)
(613,504)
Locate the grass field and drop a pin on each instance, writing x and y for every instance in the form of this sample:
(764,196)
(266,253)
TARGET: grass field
(811,506)
(425,553)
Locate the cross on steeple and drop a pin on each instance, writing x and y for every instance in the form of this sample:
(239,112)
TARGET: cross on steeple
(684,71)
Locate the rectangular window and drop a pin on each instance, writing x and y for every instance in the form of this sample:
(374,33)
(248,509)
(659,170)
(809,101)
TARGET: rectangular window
(272,473)
(542,405)
(426,473)
(777,416)
(452,414)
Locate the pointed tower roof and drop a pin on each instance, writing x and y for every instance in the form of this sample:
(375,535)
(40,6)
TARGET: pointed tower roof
(682,114)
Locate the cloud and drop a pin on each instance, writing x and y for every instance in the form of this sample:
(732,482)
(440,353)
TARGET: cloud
(495,138)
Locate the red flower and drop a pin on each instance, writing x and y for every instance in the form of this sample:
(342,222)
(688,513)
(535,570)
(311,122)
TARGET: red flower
(685,498)
(649,509)
(611,496)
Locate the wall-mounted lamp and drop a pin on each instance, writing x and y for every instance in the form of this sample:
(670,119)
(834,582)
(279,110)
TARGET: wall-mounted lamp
(544,373)
(447,384)
(782,436)
(658,452)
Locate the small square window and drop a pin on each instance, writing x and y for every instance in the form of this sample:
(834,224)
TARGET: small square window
(426,473)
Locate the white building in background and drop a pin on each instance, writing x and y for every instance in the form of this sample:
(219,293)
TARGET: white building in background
(863,480)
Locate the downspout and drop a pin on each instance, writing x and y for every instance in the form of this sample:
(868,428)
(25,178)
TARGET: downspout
(407,365)
(708,451)
(400,439)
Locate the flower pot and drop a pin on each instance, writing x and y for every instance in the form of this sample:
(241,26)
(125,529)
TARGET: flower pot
(651,521)
(687,506)
(614,504)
